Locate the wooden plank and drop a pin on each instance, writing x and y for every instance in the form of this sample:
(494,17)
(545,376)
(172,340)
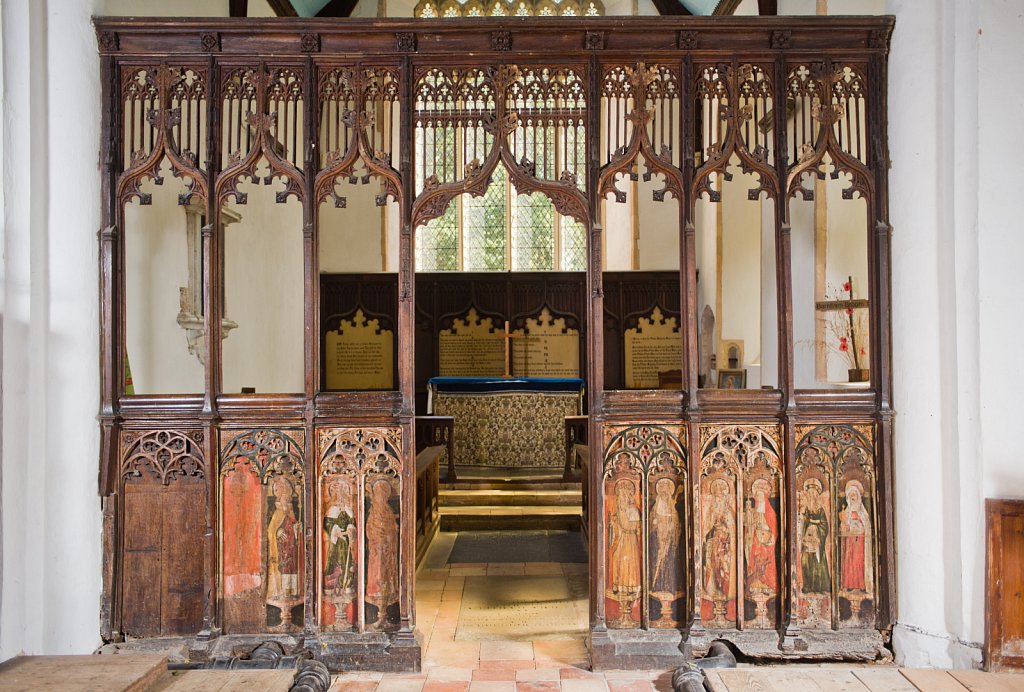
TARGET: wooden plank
(263,680)
(714,681)
(121,673)
(883,680)
(977,681)
(196,681)
(770,680)
(932,680)
(835,679)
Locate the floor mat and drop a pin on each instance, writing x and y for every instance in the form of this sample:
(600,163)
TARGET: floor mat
(518,546)
(523,608)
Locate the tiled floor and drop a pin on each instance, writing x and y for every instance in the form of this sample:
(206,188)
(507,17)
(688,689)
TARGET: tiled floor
(480,659)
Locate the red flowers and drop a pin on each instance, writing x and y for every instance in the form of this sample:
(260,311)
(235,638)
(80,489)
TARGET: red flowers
(846,287)
(843,346)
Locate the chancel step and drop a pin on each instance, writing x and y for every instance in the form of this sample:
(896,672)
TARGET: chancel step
(507,497)
(490,518)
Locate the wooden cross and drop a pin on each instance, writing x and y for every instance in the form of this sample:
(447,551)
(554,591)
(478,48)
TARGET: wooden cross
(508,336)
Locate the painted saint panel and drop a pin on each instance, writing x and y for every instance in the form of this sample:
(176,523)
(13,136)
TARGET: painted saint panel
(761,548)
(836,526)
(645,526)
(339,540)
(666,513)
(815,536)
(856,582)
(262,534)
(741,506)
(382,502)
(718,543)
(623,526)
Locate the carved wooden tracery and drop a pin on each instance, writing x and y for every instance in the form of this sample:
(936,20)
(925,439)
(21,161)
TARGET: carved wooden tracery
(306,105)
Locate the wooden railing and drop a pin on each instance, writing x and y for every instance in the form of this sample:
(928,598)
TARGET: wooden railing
(428,514)
(437,431)
(575,434)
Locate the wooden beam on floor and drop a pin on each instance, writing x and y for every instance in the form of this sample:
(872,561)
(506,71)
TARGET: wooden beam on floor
(338,8)
(282,8)
(121,673)
(238,8)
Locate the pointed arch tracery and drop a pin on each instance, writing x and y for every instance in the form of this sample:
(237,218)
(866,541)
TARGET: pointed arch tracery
(469,120)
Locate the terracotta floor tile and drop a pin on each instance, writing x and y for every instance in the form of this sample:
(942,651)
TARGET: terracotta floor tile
(575,673)
(400,684)
(538,686)
(492,686)
(538,675)
(634,685)
(525,664)
(506,651)
(592,685)
(354,686)
(447,673)
(446,686)
(507,674)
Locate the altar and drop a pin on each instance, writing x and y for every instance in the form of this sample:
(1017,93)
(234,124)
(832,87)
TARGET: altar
(507,422)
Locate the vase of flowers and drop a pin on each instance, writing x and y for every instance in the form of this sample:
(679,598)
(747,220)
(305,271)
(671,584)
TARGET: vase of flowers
(847,332)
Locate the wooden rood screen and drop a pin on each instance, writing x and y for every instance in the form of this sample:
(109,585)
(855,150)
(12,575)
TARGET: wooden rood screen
(762,515)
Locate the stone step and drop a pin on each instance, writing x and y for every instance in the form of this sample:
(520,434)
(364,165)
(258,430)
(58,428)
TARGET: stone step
(508,484)
(506,498)
(483,518)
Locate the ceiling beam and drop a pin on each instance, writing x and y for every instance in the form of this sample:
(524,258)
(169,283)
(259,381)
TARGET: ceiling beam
(282,8)
(338,8)
(238,8)
(768,7)
(670,7)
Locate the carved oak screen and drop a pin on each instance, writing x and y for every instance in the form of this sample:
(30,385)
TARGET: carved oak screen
(247,499)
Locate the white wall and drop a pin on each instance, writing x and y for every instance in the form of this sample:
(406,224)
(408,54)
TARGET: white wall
(50,509)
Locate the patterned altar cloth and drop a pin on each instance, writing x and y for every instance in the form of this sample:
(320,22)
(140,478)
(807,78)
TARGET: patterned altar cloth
(507,423)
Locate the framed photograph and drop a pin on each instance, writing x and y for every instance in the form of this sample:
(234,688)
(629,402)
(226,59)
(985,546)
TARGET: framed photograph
(732,379)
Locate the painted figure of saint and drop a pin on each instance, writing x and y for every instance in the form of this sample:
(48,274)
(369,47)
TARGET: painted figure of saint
(624,543)
(719,534)
(284,537)
(855,539)
(761,525)
(814,530)
(381,546)
(339,534)
(666,529)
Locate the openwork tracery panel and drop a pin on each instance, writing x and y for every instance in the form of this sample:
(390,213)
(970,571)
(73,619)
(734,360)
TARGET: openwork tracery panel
(741,505)
(262,520)
(646,505)
(359,505)
(262,120)
(829,117)
(357,130)
(735,114)
(164,116)
(837,526)
(640,107)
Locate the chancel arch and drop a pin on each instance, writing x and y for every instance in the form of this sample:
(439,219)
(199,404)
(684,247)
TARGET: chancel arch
(675,228)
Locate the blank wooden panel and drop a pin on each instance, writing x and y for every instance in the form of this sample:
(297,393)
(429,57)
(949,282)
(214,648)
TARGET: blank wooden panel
(184,518)
(163,557)
(142,559)
(1004,602)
